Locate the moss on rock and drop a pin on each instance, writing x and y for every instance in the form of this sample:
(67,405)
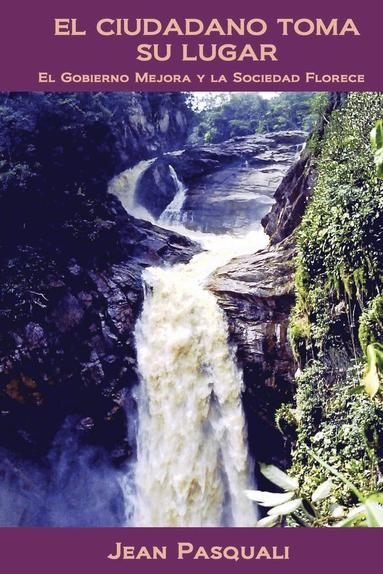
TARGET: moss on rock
(339,306)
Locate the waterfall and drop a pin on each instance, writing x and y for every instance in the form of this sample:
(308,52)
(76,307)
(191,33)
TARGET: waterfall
(192,462)
(124,187)
(173,212)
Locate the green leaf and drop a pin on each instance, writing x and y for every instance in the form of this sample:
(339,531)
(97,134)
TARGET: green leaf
(377,497)
(374,513)
(323,490)
(278,477)
(371,376)
(378,160)
(286,508)
(336,473)
(379,355)
(355,515)
(376,137)
(373,138)
(379,134)
(268,522)
(269,498)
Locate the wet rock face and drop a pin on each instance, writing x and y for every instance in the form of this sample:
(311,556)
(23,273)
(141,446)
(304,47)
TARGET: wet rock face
(230,185)
(67,320)
(290,199)
(257,293)
(71,261)
(295,189)
(159,179)
(231,198)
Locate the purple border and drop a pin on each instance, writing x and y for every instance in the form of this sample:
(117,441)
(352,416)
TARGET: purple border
(28,46)
(66,551)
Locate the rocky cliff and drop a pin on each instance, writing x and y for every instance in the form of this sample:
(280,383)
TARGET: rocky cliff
(71,260)
(153,124)
(290,199)
(67,325)
(292,195)
(257,294)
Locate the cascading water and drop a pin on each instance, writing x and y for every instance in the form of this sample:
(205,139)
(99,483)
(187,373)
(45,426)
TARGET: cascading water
(192,462)
(173,213)
(124,187)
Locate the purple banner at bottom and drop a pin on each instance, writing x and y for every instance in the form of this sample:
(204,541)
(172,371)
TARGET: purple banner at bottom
(104,550)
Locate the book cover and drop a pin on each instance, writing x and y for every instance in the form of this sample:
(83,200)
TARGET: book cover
(191,317)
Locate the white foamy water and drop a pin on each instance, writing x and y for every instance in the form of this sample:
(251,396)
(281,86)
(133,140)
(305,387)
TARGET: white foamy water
(124,187)
(173,212)
(192,461)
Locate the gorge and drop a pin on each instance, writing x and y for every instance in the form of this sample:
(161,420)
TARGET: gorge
(71,350)
(174,312)
(192,466)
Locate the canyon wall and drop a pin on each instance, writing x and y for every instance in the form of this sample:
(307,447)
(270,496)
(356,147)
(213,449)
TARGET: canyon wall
(71,260)
(257,293)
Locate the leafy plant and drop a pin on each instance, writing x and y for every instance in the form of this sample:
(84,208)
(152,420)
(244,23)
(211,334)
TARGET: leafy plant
(370,510)
(339,307)
(303,511)
(289,502)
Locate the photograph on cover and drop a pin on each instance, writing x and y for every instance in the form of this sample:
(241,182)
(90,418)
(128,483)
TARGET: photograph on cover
(191,309)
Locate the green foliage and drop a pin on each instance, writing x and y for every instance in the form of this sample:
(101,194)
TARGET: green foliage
(316,118)
(374,368)
(71,139)
(286,419)
(344,428)
(377,146)
(57,136)
(223,116)
(340,239)
(338,284)
(299,334)
(226,117)
(292,110)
